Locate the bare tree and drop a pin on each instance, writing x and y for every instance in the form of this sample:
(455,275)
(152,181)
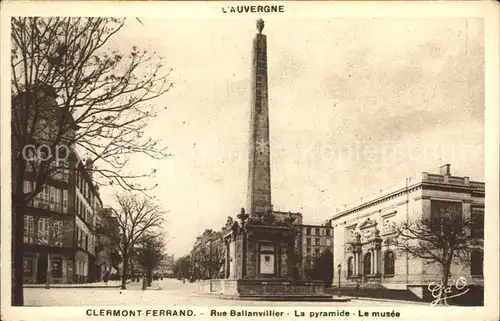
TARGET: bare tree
(136,216)
(447,238)
(71,90)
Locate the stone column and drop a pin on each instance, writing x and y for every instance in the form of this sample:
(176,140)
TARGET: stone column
(373,261)
(259,167)
(360,262)
(375,258)
(354,262)
(227,264)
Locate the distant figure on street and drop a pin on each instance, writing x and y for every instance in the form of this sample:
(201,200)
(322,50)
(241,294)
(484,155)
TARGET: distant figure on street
(144,282)
(105,278)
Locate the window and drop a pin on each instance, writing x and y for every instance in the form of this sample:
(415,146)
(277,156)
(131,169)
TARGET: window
(316,252)
(86,242)
(43,231)
(478,223)
(45,193)
(308,241)
(389,263)
(43,129)
(56,266)
(443,214)
(327,232)
(308,251)
(27,187)
(350,266)
(318,231)
(65,201)
(28,265)
(367,264)
(308,231)
(317,242)
(328,242)
(57,233)
(29,229)
(476,263)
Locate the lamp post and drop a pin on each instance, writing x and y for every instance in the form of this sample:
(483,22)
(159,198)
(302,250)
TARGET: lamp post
(339,268)
(243,217)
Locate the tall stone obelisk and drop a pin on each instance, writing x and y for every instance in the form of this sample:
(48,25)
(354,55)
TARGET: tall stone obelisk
(259,164)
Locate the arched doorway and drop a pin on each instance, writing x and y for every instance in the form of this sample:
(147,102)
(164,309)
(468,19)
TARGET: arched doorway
(367,264)
(350,266)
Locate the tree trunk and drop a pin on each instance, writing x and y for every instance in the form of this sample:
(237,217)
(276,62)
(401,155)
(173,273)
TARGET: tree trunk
(125,271)
(446,274)
(17,255)
(150,275)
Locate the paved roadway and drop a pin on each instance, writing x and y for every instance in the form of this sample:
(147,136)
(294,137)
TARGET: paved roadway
(169,292)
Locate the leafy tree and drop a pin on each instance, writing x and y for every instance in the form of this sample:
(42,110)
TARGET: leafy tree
(71,89)
(323,268)
(151,251)
(183,267)
(446,238)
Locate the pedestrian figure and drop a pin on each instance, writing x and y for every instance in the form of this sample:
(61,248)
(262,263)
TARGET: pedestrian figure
(357,290)
(105,278)
(144,282)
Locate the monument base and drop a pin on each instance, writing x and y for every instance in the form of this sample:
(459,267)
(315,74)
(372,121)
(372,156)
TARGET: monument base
(267,290)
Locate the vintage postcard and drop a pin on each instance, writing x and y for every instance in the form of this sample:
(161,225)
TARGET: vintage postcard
(249,160)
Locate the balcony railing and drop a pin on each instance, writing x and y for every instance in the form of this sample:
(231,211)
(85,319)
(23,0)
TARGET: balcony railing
(50,205)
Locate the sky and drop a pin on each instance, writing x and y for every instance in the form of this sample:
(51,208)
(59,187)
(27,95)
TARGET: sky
(356,105)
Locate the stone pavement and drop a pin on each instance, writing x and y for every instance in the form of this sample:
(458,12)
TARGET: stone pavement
(169,292)
(111,284)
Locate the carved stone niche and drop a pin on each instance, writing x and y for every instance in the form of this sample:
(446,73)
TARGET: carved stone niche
(368,230)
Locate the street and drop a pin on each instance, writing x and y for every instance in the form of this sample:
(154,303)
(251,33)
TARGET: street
(169,292)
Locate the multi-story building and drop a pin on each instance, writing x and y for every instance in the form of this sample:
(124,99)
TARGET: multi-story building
(315,240)
(207,254)
(87,202)
(106,243)
(364,232)
(166,266)
(59,222)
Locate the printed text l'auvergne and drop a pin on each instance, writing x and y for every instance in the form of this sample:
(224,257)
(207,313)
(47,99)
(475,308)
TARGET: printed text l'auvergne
(254,9)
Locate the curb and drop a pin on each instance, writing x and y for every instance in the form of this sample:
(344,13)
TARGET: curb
(389,300)
(70,286)
(272,299)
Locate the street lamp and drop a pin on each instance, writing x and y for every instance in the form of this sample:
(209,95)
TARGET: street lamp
(339,268)
(243,217)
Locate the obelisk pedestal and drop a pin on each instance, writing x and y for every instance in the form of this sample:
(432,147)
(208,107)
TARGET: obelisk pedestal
(260,245)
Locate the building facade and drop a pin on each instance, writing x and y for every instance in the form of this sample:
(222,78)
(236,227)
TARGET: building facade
(364,246)
(166,266)
(59,222)
(315,239)
(106,243)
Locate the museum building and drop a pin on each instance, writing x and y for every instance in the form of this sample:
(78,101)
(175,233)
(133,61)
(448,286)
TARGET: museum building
(364,233)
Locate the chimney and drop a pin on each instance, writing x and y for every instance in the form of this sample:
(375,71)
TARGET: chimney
(89,166)
(445,170)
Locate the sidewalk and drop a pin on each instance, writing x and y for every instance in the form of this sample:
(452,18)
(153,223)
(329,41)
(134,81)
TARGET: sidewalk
(96,285)
(387,300)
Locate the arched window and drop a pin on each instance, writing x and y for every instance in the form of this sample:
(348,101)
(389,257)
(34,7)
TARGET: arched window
(367,264)
(389,263)
(476,263)
(350,266)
